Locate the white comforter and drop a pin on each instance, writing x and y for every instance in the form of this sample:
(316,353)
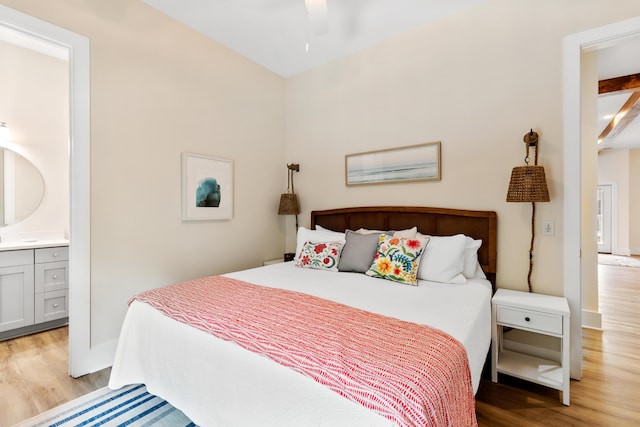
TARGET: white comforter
(217,383)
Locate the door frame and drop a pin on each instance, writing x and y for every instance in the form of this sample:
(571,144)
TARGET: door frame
(83,358)
(574,45)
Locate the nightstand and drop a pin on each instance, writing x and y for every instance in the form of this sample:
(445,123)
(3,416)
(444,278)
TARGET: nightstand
(540,314)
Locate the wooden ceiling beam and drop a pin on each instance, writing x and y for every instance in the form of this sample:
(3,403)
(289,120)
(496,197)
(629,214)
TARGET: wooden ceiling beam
(619,84)
(627,114)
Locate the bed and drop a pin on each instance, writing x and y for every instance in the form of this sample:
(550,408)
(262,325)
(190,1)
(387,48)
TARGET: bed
(220,381)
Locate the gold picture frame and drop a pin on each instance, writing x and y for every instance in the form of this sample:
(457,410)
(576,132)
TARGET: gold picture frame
(411,163)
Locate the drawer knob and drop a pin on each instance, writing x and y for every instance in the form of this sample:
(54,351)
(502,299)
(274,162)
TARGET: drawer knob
(527,319)
(55,254)
(55,276)
(55,305)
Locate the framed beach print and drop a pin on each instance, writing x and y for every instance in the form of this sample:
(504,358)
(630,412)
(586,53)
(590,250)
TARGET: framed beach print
(207,188)
(403,164)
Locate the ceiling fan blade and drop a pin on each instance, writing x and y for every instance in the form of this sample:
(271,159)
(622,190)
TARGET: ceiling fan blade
(318,16)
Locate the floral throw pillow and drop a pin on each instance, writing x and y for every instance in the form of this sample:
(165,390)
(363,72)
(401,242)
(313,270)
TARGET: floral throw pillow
(320,255)
(397,259)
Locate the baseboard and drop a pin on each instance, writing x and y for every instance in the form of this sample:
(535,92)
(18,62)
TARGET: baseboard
(32,329)
(635,251)
(591,319)
(621,251)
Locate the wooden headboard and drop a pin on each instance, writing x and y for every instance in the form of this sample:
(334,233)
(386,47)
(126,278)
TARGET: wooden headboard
(433,221)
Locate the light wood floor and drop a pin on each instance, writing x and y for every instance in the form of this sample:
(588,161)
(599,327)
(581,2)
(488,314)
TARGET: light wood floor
(34,376)
(33,372)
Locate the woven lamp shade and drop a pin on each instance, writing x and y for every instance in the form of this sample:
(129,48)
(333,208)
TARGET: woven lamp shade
(289,204)
(528,184)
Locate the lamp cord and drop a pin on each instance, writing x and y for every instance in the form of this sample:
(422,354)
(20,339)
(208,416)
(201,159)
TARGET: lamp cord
(290,169)
(533,236)
(531,140)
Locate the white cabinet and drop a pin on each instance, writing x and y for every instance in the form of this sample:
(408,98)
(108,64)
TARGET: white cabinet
(51,284)
(33,289)
(16,289)
(540,314)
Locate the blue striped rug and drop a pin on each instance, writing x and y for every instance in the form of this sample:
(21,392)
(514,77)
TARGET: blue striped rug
(129,406)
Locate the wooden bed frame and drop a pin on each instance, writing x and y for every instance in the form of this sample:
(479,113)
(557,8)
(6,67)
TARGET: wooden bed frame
(433,221)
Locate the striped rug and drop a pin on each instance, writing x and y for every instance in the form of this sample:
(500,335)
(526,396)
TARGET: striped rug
(129,406)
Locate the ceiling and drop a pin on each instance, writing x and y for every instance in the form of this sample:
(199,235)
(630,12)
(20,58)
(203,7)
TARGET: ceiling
(622,59)
(274,34)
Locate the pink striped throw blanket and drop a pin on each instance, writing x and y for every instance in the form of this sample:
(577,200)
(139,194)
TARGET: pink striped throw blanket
(411,374)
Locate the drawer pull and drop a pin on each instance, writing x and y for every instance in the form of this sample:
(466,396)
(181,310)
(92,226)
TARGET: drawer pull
(55,276)
(55,254)
(55,305)
(527,319)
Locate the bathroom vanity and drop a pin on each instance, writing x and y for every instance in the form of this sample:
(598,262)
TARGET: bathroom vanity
(33,286)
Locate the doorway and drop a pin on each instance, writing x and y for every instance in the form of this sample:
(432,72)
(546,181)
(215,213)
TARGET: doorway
(604,218)
(82,359)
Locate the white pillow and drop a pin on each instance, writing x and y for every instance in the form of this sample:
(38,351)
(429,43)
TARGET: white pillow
(321,228)
(471,257)
(409,233)
(442,260)
(479,273)
(318,236)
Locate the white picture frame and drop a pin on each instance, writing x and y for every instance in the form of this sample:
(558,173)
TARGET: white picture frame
(207,188)
(412,163)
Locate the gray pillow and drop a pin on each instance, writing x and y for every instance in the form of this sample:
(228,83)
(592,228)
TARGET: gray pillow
(358,251)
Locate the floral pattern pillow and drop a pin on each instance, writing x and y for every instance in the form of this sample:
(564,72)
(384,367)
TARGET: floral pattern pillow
(320,255)
(398,259)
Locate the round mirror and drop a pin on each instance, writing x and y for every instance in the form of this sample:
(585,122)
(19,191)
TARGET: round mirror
(21,187)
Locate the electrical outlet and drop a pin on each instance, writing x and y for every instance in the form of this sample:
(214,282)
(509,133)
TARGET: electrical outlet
(548,228)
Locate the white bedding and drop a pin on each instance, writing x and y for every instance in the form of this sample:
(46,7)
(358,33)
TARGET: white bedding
(217,383)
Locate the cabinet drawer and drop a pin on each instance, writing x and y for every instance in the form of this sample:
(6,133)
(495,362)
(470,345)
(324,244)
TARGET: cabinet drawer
(12,258)
(51,306)
(51,276)
(531,320)
(59,253)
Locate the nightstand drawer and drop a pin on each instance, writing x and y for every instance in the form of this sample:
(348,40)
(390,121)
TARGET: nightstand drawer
(531,320)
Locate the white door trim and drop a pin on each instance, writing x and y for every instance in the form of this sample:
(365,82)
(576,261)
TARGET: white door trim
(82,357)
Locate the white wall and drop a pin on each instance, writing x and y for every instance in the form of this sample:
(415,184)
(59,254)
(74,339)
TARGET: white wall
(589,169)
(476,81)
(35,105)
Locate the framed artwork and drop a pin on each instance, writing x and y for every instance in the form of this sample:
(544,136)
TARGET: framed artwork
(207,188)
(403,164)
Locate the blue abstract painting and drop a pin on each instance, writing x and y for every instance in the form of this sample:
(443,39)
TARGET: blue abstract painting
(208,193)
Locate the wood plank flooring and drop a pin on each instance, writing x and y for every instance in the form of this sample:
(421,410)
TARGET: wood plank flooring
(33,372)
(34,376)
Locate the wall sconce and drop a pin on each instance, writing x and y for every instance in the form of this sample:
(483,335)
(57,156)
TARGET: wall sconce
(5,133)
(289,201)
(528,184)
